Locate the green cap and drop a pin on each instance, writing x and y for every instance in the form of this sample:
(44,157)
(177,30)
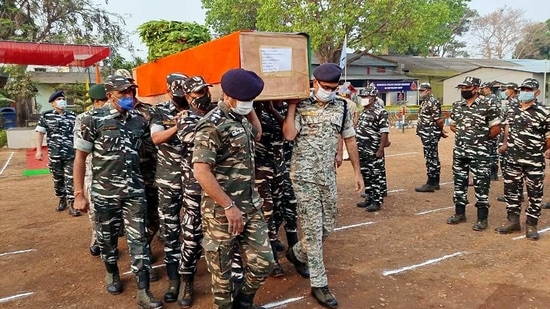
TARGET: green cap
(97,92)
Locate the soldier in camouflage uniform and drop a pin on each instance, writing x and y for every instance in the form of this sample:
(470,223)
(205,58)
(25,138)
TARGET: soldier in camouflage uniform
(58,125)
(372,136)
(430,130)
(474,121)
(315,125)
(168,179)
(487,92)
(199,98)
(527,137)
(223,164)
(113,135)
(99,97)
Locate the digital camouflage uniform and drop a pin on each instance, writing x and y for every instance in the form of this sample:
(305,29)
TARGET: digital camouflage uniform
(225,141)
(168,180)
(313,175)
(471,151)
(430,134)
(59,138)
(118,190)
(373,121)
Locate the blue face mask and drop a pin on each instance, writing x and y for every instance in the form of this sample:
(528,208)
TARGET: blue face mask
(526,96)
(126,103)
(503,95)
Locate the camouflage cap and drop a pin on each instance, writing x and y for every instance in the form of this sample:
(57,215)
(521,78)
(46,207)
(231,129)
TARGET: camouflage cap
(97,92)
(530,83)
(368,92)
(470,81)
(486,85)
(124,73)
(424,86)
(195,84)
(118,83)
(174,82)
(511,85)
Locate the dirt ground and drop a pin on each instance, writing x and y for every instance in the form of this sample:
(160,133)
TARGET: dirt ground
(404,256)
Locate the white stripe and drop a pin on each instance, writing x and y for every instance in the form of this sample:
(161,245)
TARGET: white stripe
(14,297)
(544,230)
(428,262)
(17,252)
(352,226)
(282,302)
(396,190)
(7,162)
(446,183)
(433,210)
(153,267)
(402,154)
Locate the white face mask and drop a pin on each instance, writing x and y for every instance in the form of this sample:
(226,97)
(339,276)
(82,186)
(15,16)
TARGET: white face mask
(61,104)
(324,95)
(243,107)
(365,101)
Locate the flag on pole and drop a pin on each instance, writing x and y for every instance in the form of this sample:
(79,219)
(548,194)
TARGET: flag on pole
(344,54)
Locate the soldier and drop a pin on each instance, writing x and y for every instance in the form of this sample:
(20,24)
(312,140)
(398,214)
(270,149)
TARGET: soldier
(487,92)
(315,124)
(58,124)
(430,130)
(199,98)
(372,136)
(168,179)
(114,134)
(223,164)
(526,139)
(474,121)
(99,97)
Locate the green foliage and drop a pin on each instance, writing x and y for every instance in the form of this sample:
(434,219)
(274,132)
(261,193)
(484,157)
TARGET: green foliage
(3,138)
(226,16)
(535,43)
(165,38)
(19,82)
(116,61)
(4,101)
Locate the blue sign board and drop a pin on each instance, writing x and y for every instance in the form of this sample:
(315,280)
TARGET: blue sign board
(395,85)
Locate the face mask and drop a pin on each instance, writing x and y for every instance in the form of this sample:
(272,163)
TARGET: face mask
(422,95)
(181,102)
(243,107)
(525,96)
(202,103)
(503,95)
(365,101)
(467,94)
(61,104)
(126,103)
(324,95)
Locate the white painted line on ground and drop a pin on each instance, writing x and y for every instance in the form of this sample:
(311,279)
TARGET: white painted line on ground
(402,154)
(544,230)
(282,302)
(153,267)
(352,226)
(396,190)
(433,210)
(7,162)
(17,252)
(428,262)
(446,183)
(14,297)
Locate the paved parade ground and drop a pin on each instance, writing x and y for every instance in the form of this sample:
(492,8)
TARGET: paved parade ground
(404,256)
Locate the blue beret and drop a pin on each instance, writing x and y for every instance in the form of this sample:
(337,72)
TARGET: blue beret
(328,72)
(55,95)
(241,84)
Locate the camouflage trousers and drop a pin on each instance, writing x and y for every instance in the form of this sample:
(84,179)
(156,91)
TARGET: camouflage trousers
(153,216)
(62,174)
(383,178)
(317,210)
(192,234)
(268,186)
(171,201)
(109,215)
(480,168)
(493,154)
(372,171)
(431,156)
(91,209)
(286,212)
(514,175)
(219,246)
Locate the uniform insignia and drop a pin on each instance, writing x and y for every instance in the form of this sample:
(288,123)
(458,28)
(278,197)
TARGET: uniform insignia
(237,132)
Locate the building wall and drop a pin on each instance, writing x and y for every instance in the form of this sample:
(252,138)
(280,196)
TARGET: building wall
(42,96)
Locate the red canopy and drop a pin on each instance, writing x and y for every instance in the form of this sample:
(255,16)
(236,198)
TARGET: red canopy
(12,52)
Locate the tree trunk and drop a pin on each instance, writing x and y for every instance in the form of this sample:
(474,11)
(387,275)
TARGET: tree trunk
(23,109)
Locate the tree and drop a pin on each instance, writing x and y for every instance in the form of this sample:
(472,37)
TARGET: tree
(20,87)
(535,44)
(453,47)
(165,38)
(496,34)
(371,26)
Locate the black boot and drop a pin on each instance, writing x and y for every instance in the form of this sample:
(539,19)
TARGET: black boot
(482,214)
(94,249)
(277,269)
(112,280)
(459,216)
(511,225)
(73,212)
(245,301)
(427,187)
(364,203)
(373,207)
(171,293)
(435,182)
(186,291)
(494,172)
(531,231)
(145,298)
(277,245)
(301,267)
(62,205)
(291,238)
(324,297)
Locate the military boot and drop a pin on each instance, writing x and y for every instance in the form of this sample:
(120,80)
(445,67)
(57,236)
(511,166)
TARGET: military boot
(245,301)
(112,279)
(482,214)
(277,269)
(435,182)
(291,238)
(531,231)
(364,203)
(94,249)
(459,216)
(145,298)
(546,205)
(301,267)
(186,291)
(277,245)
(73,212)
(324,297)
(171,293)
(425,188)
(494,172)
(511,225)
(62,205)
(373,207)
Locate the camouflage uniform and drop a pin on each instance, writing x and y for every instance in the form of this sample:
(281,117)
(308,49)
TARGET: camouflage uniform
(118,190)
(372,123)
(225,141)
(430,134)
(313,176)
(493,142)
(59,134)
